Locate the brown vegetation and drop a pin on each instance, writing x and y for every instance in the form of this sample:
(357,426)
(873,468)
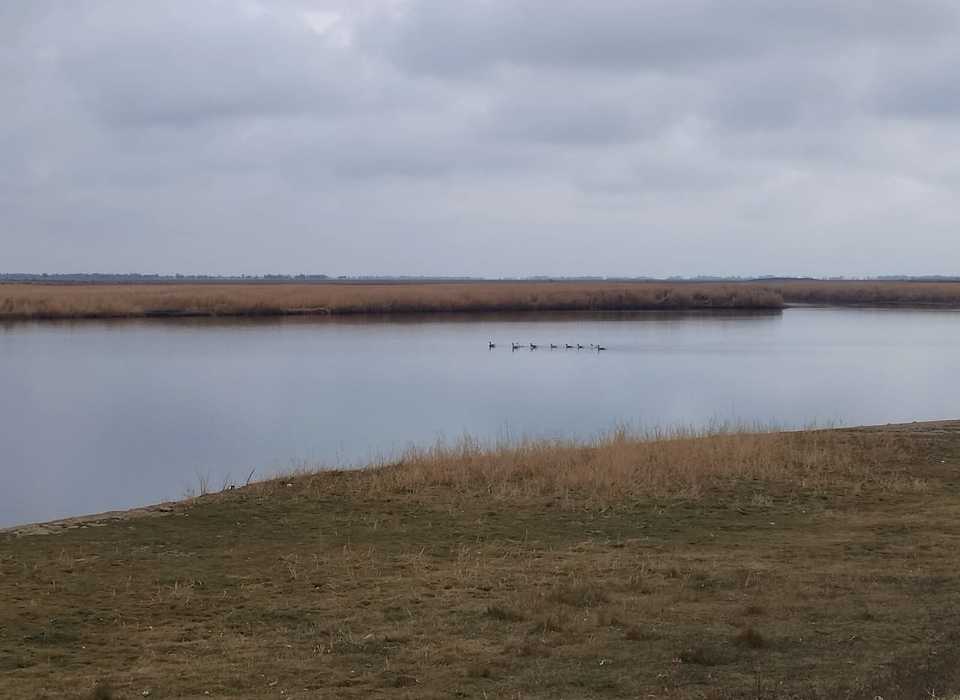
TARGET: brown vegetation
(20,301)
(51,301)
(857,293)
(676,463)
(803,565)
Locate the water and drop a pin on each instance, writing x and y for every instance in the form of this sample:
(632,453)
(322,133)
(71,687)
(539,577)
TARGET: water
(105,415)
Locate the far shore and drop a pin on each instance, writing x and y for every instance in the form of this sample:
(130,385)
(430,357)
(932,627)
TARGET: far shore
(810,564)
(38,301)
(33,301)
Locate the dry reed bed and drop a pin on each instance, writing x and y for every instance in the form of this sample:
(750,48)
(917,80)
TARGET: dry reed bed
(682,463)
(871,293)
(24,301)
(63,301)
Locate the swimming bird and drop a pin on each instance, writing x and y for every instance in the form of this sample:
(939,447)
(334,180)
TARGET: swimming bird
(600,347)
(533,346)
(514,346)
(568,346)
(491,345)
(579,346)
(552,346)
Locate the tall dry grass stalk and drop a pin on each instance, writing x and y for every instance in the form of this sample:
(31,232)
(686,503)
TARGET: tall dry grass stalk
(23,301)
(681,462)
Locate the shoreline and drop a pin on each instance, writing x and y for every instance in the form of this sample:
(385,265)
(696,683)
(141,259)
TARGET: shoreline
(434,313)
(32,301)
(783,564)
(35,301)
(46,527)
(460,313)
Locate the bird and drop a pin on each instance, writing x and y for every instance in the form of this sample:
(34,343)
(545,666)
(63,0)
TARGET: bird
(568,346)
(552,346)
(491,345)
(600,347)
(514,346)
(533,346)
(579,346)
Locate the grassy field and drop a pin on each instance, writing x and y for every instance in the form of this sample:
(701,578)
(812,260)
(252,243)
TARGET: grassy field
(805,565)
(105,301)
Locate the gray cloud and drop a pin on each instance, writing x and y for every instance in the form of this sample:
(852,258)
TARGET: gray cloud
(442,37)
(494,137)
(921,86)
(177,64)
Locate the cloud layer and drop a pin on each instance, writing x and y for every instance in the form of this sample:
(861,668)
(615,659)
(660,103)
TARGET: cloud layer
(488,137)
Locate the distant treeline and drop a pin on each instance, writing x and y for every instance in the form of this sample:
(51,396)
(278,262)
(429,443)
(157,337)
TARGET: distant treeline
(141,278)
(137,278)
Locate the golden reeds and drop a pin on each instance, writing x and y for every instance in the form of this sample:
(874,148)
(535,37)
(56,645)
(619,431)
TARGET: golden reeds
(685,463)
(52,301)
(23,301)
(870,293)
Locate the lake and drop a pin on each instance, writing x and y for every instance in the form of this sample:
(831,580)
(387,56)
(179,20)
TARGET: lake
(104,415)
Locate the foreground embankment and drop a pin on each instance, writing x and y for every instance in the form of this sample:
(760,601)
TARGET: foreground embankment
(26,301)
(819,564)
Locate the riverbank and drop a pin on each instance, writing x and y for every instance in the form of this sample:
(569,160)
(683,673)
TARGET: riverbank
(65,301)
(870,293)
(812,565)
(22,301)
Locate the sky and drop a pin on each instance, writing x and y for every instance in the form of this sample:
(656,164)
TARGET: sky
(480,137)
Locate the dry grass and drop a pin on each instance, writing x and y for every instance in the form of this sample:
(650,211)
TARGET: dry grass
(809,566)
(20,301)
(50,301)
(871,293)
(685,463)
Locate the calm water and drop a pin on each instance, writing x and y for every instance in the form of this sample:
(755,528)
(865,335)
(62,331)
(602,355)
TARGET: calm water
(97,416)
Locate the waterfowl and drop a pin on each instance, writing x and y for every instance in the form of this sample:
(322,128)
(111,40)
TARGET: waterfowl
(552,346)
(533,346)
(491,345)
(600,347)
(568,346)
(514,346)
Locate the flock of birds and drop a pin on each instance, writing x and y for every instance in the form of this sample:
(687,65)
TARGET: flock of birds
(553,346)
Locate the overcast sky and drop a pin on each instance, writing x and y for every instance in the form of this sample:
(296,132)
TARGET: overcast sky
(480,137)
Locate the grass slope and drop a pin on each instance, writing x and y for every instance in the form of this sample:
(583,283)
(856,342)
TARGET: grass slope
(814,565)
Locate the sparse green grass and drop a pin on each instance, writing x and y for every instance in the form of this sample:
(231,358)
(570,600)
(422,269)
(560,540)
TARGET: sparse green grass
(840,583)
